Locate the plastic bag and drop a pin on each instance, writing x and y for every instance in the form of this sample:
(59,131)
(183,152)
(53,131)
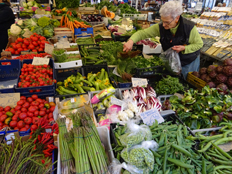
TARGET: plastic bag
(172,60)
(135,134)
(116,167)
(141,155)
(75,102)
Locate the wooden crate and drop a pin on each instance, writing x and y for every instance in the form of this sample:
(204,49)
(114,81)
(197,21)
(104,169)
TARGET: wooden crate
(63,31)
(89,9)
(101,30)
(195,81)
(56,17)
(144,24)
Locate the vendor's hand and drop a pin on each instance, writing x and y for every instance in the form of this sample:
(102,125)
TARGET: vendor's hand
(128,46)
(178,48)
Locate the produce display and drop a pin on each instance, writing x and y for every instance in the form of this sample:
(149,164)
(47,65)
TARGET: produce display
(67,4)
(85,41)
(31,56)
(32,6)
(169,85)
(92,18)
(36,43)
(26,114)
(81,84)
(110,6)
(151,44)
(36,75)
(83,137)
(60,56)
(217,76)
(107,13)
(203,109)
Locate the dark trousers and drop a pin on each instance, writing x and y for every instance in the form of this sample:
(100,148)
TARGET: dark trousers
(3,40)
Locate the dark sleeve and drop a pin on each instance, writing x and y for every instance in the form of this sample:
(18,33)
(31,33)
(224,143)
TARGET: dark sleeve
(6,15)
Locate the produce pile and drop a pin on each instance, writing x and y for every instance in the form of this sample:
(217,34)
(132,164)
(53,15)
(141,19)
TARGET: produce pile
(110,6)
(36,75)
(148,42)
(81,84)
(60,55)
(219,77)
(169,85)
(31,56)
(203,109)
(43,26)
(60,4)
(31,7)
(168,151)
(92,18)
(36,43)
(26,114)
(81,149)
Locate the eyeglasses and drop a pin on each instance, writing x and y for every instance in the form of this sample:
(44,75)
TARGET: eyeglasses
(167,23)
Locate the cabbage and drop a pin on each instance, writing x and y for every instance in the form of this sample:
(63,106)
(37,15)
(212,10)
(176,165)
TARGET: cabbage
(30,4)
(48,31)
(15,30)
(30,22)
(25,5)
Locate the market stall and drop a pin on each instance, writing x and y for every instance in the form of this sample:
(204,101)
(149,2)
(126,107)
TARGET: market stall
(71,101)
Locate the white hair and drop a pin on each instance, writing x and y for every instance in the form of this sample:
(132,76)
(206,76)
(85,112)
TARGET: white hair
(171,8)
(219,5)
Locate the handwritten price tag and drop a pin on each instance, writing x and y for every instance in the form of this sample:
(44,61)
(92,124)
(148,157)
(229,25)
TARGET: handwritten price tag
(139,82)
(72,100)
(116,101)
(48,48)
(40,61)
(150,116)
(9,99)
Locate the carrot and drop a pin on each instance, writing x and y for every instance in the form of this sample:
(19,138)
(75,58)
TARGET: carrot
(61,21)
(65,21)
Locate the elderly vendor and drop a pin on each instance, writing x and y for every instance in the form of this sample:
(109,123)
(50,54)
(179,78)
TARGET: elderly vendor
(175,32)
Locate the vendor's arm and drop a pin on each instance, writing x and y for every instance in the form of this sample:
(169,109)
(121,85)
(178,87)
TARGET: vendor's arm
(150,32)
(195,42)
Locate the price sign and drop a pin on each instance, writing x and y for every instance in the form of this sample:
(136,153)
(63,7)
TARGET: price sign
(48,48)
(40,61)
(121,30)
(66,45)
(150,116)
(72,100)
(9,99)
(59,45)
(139,82)
(116,101)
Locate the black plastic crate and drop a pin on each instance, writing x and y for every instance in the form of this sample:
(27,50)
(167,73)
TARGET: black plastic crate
(103,39)
(94,46)
(146,72)
(94,69)
(120,38)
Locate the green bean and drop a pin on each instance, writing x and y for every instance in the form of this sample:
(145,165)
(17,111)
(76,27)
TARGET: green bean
(206,147)
(222,151)
(157,161)
(222,162)
(161,141)
(226,133)
(223,140)
(160,172)
(165,139)
(179,163)
(217,156)
(165,160)
(203,166)
(185,131)
(189,171)
(181,150)
(167,171)
(156,154)
(222,167)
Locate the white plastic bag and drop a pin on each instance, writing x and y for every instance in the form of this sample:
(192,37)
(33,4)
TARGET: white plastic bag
(172,60)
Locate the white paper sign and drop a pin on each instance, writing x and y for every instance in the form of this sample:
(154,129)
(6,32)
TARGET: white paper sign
(72,100)
(139,82)
(116,101)
(116,72)
(150,116)
(48,48)
(40,61)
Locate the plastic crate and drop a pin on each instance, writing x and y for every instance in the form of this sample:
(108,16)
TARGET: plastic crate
(162,98)
(49,88)
(54,159)
(94,46)
(125,85)
(146,72)
(103,39)
(9,74)
(195,81)
(83,32)
(24,133)
(120,38)
(94,69)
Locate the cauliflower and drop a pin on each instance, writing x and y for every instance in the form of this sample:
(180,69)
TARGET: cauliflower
(129,113)
(123,116)
(133,107)
(20,22)
(15,30)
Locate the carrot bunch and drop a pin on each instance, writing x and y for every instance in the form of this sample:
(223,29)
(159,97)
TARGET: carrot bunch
(68,21)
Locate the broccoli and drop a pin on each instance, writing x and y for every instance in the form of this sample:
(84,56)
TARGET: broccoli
(44,21)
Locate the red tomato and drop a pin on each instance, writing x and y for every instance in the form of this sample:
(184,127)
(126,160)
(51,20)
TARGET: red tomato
(43,109)
(13,124)
(22,98)
(12,50)
(35,103)
(42,38)
(16,128)
(31,47)
(34,39)
(19,39)
(20,102)
(12,111)
(39,100)
(19,46)
(29,114)
(29,99)
(1,114)
(20,124)
(28,120)
(17,52)
(34,97)
(18,112)
(50,115)
(42,113)
(26,105)
(51,119)
(7,108)
(24,110)
(22,115)
(32,109)
(23,129)
(52,108)
(26,42)
(1,108)
(40,49)
(15,118)
(35,120)
(27,126)
(36,113)
(35,43)
(34,50)
(47,111)
(34,127)
(3,117)
(41,105)
(17,107)
(1,124)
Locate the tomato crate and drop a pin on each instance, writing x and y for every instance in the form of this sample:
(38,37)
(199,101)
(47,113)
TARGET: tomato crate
(48,89)
(83,32)
(195,81)
(9,74)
